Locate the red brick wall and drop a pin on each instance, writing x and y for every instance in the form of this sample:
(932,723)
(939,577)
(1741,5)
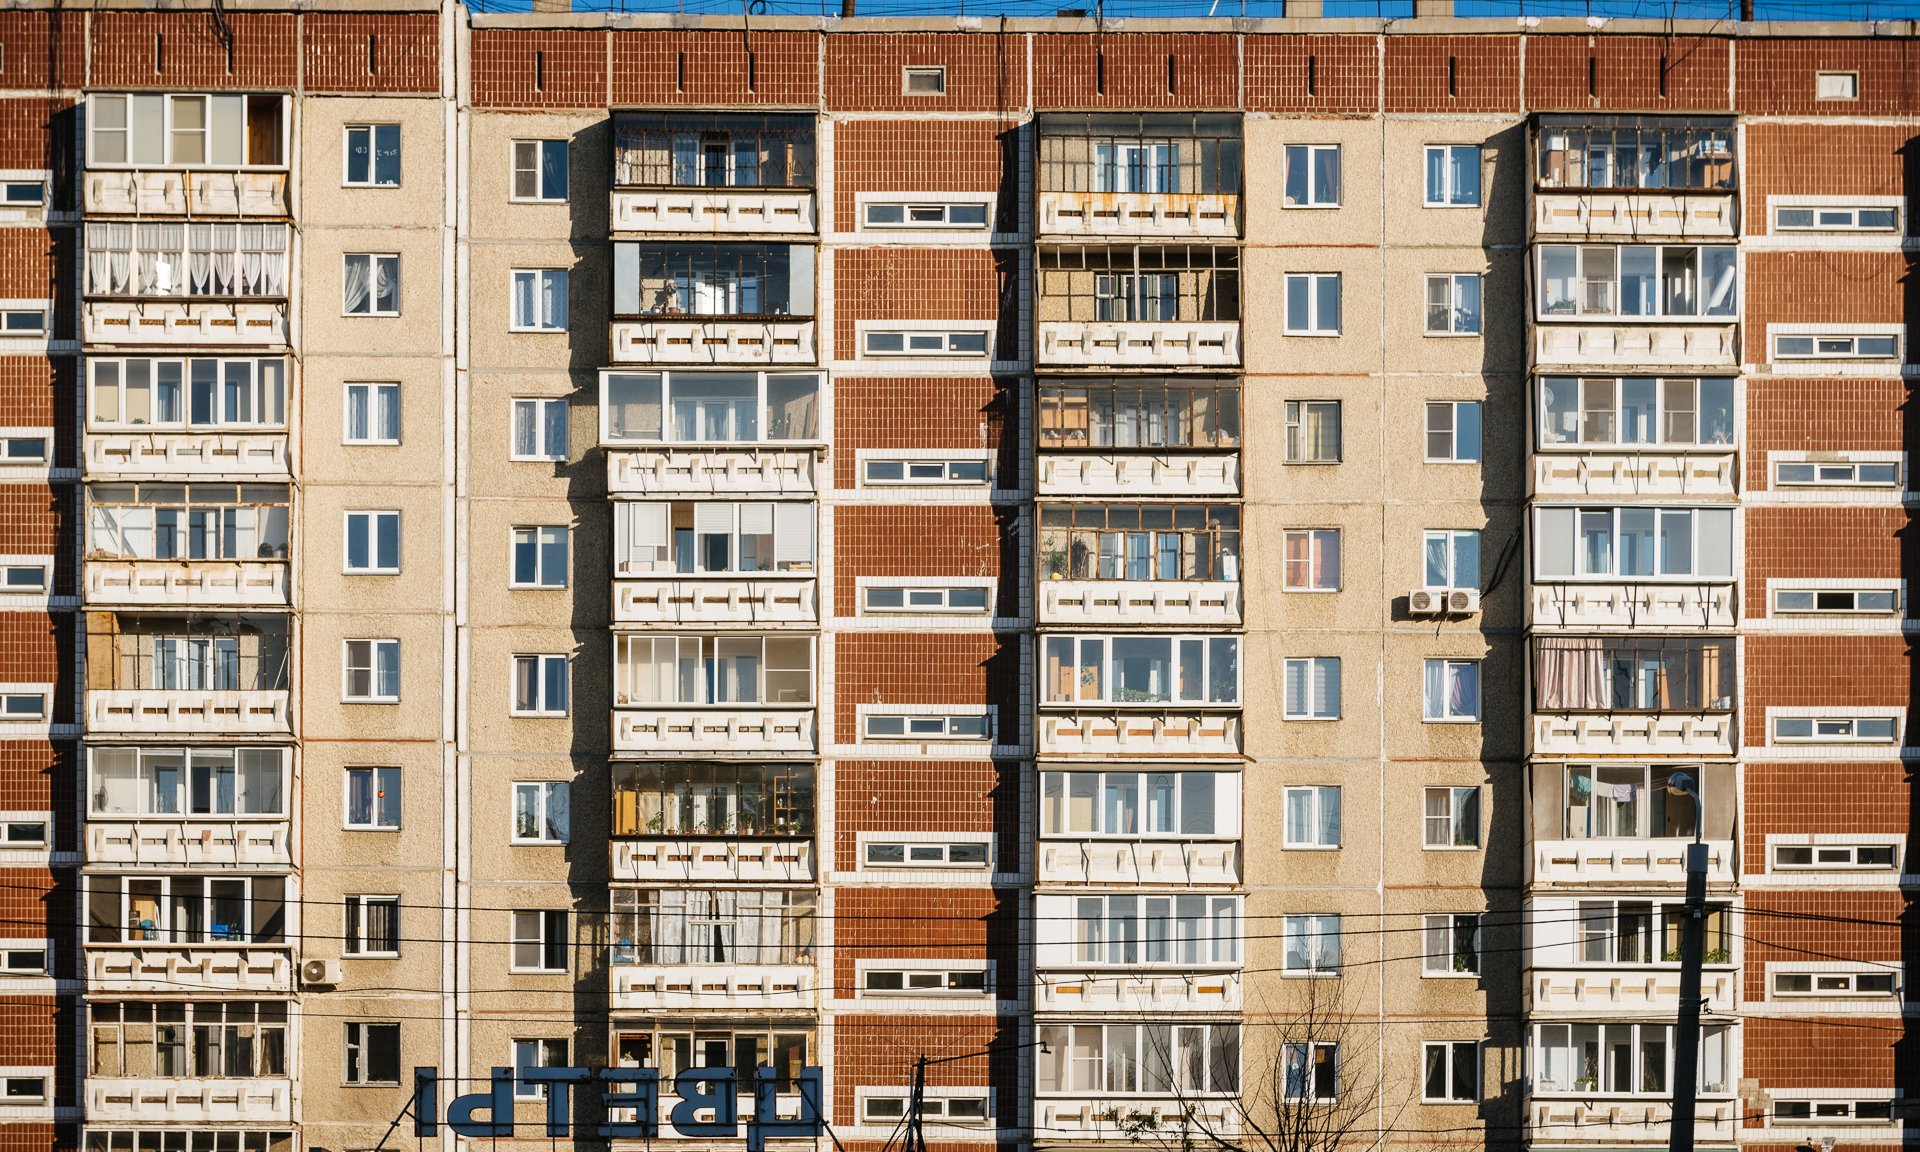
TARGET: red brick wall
(1831,287)
(926,795)
(26,262)
(1816,160)
(34,518)
(647,68)
(1776,77)
(1802,1053)
(948,156)
(876,1050)
(946,923)
(1129,71)
(190,52)
(38,44)
(1866,798)
(1806,542)
(986,72)
(27,1032)
(25,124)
(926,284)
(922,668)
(924,412)
(539,68)
(1626,73)
(949,540)
(405,57)
(1810,414)
(38,648)
(1345,73)
(1486,73)
(37,392)
(1824,671)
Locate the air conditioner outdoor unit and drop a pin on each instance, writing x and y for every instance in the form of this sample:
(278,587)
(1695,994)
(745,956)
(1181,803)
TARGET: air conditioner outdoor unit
(1463,601)
(1425,602)
(324,973)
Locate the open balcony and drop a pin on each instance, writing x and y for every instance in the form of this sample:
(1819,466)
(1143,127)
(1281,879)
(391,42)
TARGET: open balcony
(141,970)
(1149,176)
(713,823)
(1610,825)
(198,676)
(1635,177)
(148,1100)
(1169,306)
(714,173)
(1150,564)
(1633,695)
(692,303)
(714,563)
(1630,306)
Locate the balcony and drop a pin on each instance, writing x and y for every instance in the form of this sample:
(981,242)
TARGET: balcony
(1626,863)
(1621,305)
(1708,735)
(1156,476)
(184,323)
(146,970)
(1583,1118)
(717,731)
(1134,734)
(1623,473)
(1117,1119)
(1633,695)
(721,417)
(191,455)
(1063,991)
(189,843)
(1584,607)
(1139,344)
(1625,991)
(126,1100)
(186,584)
(713,860)
(1159,603)
(1629,346)
(185,192)
(718,173)
(1633,215)
(732,989)
(710,472)
(188,676)
(716,211)
(1176,306)
(728,304)
(1636,177)
(1156,176)
(1139,862)
(714,562)
(715,602)
(717,341)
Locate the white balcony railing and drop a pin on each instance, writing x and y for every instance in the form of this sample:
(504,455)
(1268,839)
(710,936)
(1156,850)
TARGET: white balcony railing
(1708,734)
(1706,606)
(715,601)
(1139,734)
(1576,992)
(1577,346)
(193,455)
(152,969)
(1159,603)
(713,340)
(719,211)
(1060,991)
(740,988)
(177,192)
(1131,862)
(1623,473)
(1169,215)
(189,843)
(1639,216)
(1120,1119)
(771,861)
(1144,476)
(185,323)
(168,712)
(716,729)
(187,584)
(1626,863)
(155,1100)
(1146,344)
(1590,1118)
(696,471)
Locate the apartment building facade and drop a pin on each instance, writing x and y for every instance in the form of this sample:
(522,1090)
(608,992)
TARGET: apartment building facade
(1189,574)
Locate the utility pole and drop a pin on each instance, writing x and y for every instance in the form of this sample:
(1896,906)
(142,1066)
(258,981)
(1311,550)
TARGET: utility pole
(916,1124)
(1693,941)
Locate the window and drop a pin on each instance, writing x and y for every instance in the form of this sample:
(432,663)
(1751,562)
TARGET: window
(1452,690)
(1837,346)
(1136,804)
(1313,176)
(1836,218)
(21,1088)
(1311,560)
(1453,175)
(724,926)
(540,557)
(373,1054)
(186,910)
(1452,1072)
(1836,729)
(1313,817)
(1137,929)
(1633,673)
(195,392)
(540,170)
(540,685)
(926,854)
(1634,543)
(1656,152)
(539,941)
(1825,474)
(175,1040)
(948,1106)
(197,521)
(23,578)
(1450,943)
(914,342)
(1836,85)
(1826,1112)
(529,1054)
(908,599)
(28,833)
(1139,413)
(1628,802)
(1635,280)
(23,322)
(697,670)
(23,192)
(23,961)
(1162,1059)
(1452,818)
(373,542)
(372,156)
(1313,304)
(1635,411)
(540,811)
(373,799)
(924,982)
(172,782)
(1312,1072)
(1453,432)
(370,285)
(924,214)
(195,259)
(23,706)
(1451,559)
(1134,669)
(709,407)
(1836,857)
(1453,304)
(684,278)
(927,472)
(663,798)
(1311,946)
(923,80)
(1140,542)
(372,926)
(23,450)
(1614,932)
(896,726)
(703,149)
(147,129)
(712,536)
(539,300)
(1623,1059)
(1847,984)
(372,671)
(1313,688)
(373,414)
(539,429)
(1313,431)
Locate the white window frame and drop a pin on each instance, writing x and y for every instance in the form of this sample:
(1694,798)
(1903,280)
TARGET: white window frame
(1835,345)
(1311,925)
(20,704)
(542,792)
(377,647)
(1815,848)
(893,723)
(374,777)
(926,343)
(369,520)
(1306,1049)
(918,599)
(1296,426)
(1310,282)
(1314,796)
(537,413)
(935,72)
(535,538)
(544,921)
(11,185)
(1315,546)
(1451,1052)
(547,1052)
(1450,283)
(1452,431)
(548,296)
(18,449)
(14,567)
(542,706)
(14,315)
(1308,153)
(932,851)
(374,261)
(25,957)
(539,156)
(1448,193)
(925,215)
(1826,217)
(1835,727)
(1310,667)
(1842,980)
(1451,538)
(372,130)
(1455,818)
(1836,85)
(930,471)
(936,1104)
(355,946)
(924,979)
(1842,473)
(382,397)
(1437,964)
(356,1046)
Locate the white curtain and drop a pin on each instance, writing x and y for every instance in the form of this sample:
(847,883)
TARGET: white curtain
(224,239)
(755,925)
(357,283)
(160,251)
(386,284)
(200,272)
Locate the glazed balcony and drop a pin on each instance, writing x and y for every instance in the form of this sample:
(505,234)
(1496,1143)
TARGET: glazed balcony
(1635,177)
(147,1100)
(1155,176)
(1635,436)
(1149,564)
(148,970)
(720,694)
(1633,695)
(688,433)
(260,195)
(187,417)
(1631,567)
(188,677)
(1148,437)
(1611,1082)
(729,174)
(694,822)
(692,303)
(1173,306)
(728,949)
(1618,957)
(715,563)
(1150,861)
(1144,952)
(1085,990)
(254,843)
(1636,305)
(225,140)
(1134,694)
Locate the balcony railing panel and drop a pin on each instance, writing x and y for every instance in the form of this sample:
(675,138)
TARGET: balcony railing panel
(713,730)
(189,842)
(1585,607)
(716,601)
(187,584)
(1145,475)
(1634,734)
(713,860)
(1602,991)
(192,455)
(1584,1120)
(124,1100)
(1147,862)
(716,211)
(1626,863)
(1118,1121)
(736,989)
(1615,345)
(1062,990)
(161,712)
(691,472)
(1634,216)
(157,970)
(1157,603)
(1173,733)
(185,323)
(1618,473)
(177,192)
(1139,344)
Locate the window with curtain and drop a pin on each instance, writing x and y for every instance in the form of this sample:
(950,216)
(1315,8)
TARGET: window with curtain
(1312,817)
(1452,817)
(541,810)
(1451,690)
(1451,559)
(1313,176)
(712,926)
(1312,688)
(539,428)
(1628,801)
(1632,674)
(370,284)
(1310,945)
(1453,175)
(372,414)
(1311,560)
(1313,431)
(539,300)
(373,798)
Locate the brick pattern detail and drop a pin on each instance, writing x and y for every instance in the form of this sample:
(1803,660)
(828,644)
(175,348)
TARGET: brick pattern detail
(1867,799)
(1829,287)
(26,262)
(927,284)
(184,50)
(1776,77)
(1811,542)
(1811,1053)
(1345,71)
(42,48)
(405,55)
(925,924)
(1815,160)
(876,1050)
(1824,671)
(37,392)
(921,795)
(1485,73)
(1130,71)
(647,68)
(35,131)
(1626,73)
(36,648)
(36,520)
(924,412)
(985,73)
(539,68)
(950,540)
(29,1024)
(918,668)
(949,156)
(1806,414)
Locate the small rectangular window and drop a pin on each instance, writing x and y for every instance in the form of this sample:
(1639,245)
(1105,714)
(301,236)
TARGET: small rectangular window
(889,726)
(924,982)
(539,300)
(927,854)
(23,322)
(1310,560)
(1453,432)
(1838,729)
(1836,474)
(541,812)
(24,833)
(540,685)
(23,706)
(1453,176)
(1451,559)
(26,1088)
(1836,85)
(539,429)
(372,1054)
(528,1054)
(23,450)
(924,214)
(1313,304)
(1836,857)
(372,414)
(1836,347)
(18,192)
(1313,176)
(1310,945)
(1836,218)
(370,285)
(922,343)
(1453,304)
(540,170)
(929,599)
(372,156)
(1452,1072)
(937,472)
(1312,689)
(1451,818)
(1312,817)
(1451,690)
(373,543)
(372,926)
(924,80)
(1313,431)
(1837,984)
(539,942)
(23,578)
(373,799)
(23,961)
(1450,944)
(540,557)
(372,671)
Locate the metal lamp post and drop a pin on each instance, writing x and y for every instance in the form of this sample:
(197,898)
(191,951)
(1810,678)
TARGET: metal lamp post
(1693,941)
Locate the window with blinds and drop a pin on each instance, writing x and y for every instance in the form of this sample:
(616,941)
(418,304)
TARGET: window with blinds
(713,538)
